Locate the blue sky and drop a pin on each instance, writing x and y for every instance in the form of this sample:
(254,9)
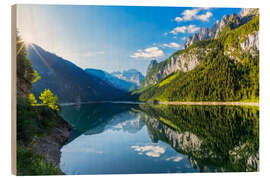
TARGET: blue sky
(113,38)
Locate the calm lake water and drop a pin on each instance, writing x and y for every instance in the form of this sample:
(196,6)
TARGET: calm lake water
(110,138)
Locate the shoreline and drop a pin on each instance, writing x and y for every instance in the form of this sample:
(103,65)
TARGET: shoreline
(50,145)
(212,103)
(204,103)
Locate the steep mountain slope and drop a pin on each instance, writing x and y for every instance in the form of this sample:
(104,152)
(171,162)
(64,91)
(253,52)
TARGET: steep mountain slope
(131,75)
(112,80)
(218,69)
(69,82)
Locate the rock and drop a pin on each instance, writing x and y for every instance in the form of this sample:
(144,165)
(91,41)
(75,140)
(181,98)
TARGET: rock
(221,25)
(194,39)
(213,30)
(178,62)
(152,63)
(245,12)
(183,62)
(187,43)
(250,45)
(49,146)
(23,87)
(203,34)
(252,41)
(253,161)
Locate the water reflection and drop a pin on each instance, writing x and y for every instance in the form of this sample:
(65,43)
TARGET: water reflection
(218,138)
(125,138)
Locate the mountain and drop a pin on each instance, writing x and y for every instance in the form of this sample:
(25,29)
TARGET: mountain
(131,75)
(224,67)
(112,80)
(68,81)
(215,31)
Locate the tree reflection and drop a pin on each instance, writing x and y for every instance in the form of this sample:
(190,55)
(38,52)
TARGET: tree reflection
(215,138)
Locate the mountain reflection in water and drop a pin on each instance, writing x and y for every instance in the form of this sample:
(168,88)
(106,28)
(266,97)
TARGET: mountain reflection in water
(125,138)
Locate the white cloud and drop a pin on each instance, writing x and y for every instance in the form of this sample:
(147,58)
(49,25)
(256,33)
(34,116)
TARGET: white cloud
(178,19)
(151,151)
(148,53)
(174,158)
(179,29)
(204,17)
(183,29)
(191,14)
(173,45)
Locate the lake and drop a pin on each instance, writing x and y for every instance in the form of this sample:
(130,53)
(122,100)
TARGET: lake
(114,138)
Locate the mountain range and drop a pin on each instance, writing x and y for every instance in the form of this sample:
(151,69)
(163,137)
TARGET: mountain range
(217,64)
(215,31)
(68,81)
(131,75)
(126,80)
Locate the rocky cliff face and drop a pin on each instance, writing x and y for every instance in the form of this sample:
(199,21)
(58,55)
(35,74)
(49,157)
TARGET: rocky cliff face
(24,87)
(203,34)
(249,46)
(215,31)
(178,62)
(152,63)
(221,26)
(184,62)
(49,146)
(251,42)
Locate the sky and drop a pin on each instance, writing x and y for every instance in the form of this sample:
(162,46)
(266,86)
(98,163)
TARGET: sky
(113,38)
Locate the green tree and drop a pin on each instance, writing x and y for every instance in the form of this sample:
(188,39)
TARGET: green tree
(32,98)
(47,97)
(36,76)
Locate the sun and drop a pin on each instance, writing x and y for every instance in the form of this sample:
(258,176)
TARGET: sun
(27,37)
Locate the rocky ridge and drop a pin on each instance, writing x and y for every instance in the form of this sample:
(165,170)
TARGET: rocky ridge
(215,31)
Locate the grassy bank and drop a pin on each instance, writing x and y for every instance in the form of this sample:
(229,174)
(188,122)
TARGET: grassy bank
(31,163)
(33,123)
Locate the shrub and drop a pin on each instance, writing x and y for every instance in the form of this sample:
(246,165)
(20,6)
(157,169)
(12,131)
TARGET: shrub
(30,163)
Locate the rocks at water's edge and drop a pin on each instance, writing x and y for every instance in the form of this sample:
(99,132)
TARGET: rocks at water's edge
(50,146)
